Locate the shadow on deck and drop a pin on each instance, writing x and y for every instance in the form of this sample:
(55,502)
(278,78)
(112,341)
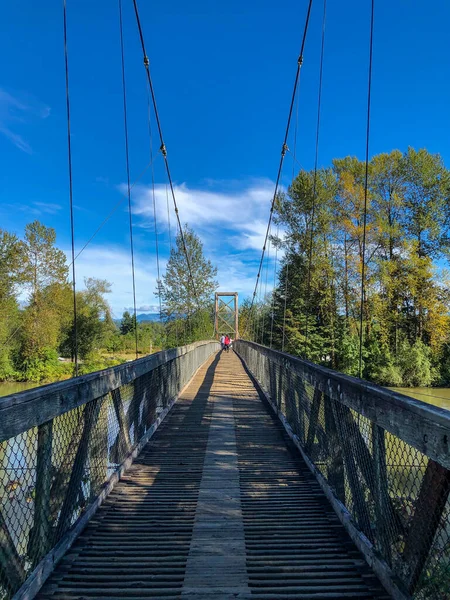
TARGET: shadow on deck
(218,505)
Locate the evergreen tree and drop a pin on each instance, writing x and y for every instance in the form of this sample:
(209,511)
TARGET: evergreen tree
(180,294)
(44,273)
(128,323)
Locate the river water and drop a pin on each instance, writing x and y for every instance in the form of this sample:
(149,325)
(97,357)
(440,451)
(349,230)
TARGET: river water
(437,396)
(12,387)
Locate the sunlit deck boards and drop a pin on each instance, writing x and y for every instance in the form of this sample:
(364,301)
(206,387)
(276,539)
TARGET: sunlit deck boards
(216,506)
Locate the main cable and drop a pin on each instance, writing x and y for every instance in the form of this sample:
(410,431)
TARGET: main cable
(366,185)
(284,147)
(313,208)
(72,226)
(163,148)
(127,160)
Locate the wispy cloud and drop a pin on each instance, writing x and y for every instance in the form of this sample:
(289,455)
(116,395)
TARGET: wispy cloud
(48,207)
(144,308)
(17,110)
(35,208)
(114,264)
(239,212)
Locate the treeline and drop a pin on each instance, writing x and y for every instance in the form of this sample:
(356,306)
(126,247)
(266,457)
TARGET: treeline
(37,328)
(317,300)
(36,314)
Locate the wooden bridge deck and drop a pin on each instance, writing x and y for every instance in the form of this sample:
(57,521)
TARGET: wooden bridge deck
(217,506)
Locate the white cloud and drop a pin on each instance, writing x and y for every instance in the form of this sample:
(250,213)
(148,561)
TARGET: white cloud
(17,110)
(231,223)
(145,308)
(229,216)
(48,207)
(114,265)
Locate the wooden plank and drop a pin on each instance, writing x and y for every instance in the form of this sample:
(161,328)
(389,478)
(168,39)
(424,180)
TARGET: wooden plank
(430,504)
(30,408)
(423,426)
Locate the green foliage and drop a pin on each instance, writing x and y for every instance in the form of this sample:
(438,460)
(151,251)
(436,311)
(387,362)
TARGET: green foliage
(128,324)
(414,362)
(348,352)
(180,294)
(317,302)
(42,366)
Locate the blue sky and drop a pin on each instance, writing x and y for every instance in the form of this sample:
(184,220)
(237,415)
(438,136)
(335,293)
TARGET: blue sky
(223,74)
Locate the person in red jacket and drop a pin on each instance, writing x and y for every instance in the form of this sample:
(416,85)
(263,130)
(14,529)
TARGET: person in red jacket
(227,343)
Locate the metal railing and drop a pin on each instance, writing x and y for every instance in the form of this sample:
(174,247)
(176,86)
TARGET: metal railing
(64,445)
(382,458)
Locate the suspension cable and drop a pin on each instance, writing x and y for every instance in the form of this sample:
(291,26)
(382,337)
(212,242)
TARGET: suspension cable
(366,185)
(72,227)
(163,148)
(127,161)
(154,207)
(265,291)
(284,147)
(285,302)
(168,219)
(314,199)
(272,308)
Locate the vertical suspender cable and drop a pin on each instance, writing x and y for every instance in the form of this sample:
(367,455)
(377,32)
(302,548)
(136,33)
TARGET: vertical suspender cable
(366,186)
(168,218)
(273,292)
(284,147)
(154,208)
(265,292)
(72,228)
(127,159)
(313,208)
(163,149)
(285,302)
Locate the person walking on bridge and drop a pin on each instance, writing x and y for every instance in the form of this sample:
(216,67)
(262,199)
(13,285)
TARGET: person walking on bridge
(222,341)
(227,342)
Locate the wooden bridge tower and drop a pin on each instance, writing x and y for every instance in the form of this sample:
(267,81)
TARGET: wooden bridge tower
(226,314)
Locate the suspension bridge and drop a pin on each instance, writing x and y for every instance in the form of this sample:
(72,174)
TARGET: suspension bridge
(202,474)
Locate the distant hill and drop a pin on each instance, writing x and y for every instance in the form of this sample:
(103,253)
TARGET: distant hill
(142,317)
(148,317)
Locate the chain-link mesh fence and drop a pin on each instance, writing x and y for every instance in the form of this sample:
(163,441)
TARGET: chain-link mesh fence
(385,457)
(59,460)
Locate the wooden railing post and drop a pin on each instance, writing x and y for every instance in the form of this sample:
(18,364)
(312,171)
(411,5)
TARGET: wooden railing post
(313,419)
(91,412)
(122,444)
(346,439)
(11,566)
(336,476)
(41,533)
(98,453)
(384,515)
(430,505)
